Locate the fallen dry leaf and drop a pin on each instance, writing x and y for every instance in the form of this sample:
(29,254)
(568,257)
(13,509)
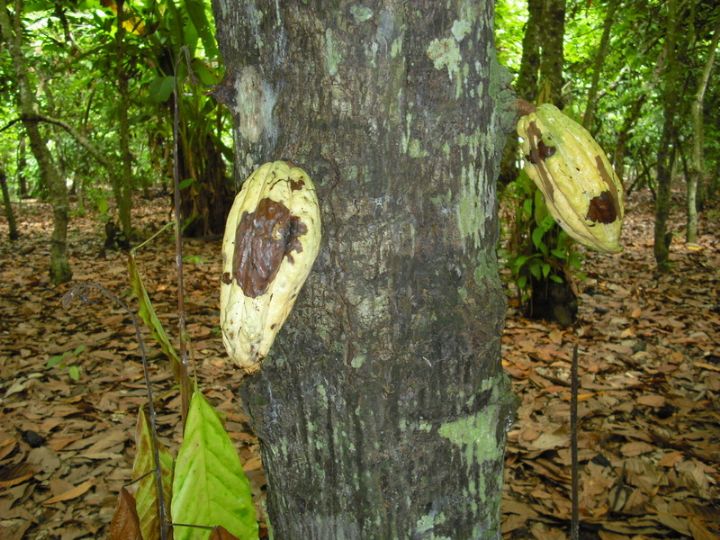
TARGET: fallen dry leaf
(125,524)
(76,491)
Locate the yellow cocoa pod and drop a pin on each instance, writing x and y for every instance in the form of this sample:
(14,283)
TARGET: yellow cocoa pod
(581,189)
(272,237)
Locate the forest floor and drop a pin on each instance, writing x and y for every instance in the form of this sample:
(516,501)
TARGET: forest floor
(649,353)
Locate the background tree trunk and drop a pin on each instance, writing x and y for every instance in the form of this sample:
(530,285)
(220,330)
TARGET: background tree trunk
(21,168)
(553,55)
(697,167)
(526,83)
(600,55)
(122,182)
(57,190)
(631,118)
(12,227)
(382,409)
(666,153)
(548,299)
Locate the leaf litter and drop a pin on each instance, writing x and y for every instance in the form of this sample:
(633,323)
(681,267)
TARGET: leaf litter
(649,414)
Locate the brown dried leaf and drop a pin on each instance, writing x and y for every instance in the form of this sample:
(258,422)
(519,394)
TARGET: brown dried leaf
(78,490)
(220,533)
(675,523)
(651,400)
(15,474)
(698,529)
(636,448)
(125,524)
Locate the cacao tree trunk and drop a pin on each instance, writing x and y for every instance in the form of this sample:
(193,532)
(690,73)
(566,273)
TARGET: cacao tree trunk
(600,54)
(666,154)
(525,84)
(57,190)
(382,408)
(122,182)
(553,54)
(631,119)
(697,167)
(9,215)
(21,168)
(548,299)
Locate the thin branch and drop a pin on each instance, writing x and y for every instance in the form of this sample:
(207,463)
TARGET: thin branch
(164,228)
(185,389)
(575,518)
(82,140)
(80,292)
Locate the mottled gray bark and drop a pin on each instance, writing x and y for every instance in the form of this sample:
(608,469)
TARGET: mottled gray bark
(382,408)
(57,190)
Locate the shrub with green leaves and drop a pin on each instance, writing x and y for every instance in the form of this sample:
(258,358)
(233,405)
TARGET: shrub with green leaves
(537,249)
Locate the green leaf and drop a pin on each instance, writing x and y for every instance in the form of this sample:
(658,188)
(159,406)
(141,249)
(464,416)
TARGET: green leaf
(159,89)
(184,184)
(535,270)
(194,259)
(527,208)
(556,278)
(545,270)
(522,282)
(209,486)
(537,235)
(103,206)
(146,498)
(206,75)
(74,372)
(79,350)
(541,211)
(54,360)
(198,17)
(149,317)
(518,263)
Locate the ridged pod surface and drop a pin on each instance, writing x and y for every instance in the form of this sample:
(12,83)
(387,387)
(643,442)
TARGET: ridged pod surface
(581,189)
(272,237)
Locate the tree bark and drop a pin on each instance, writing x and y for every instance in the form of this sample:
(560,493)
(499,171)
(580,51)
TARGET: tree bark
(122,182)
(553,55)
(697,167)
(526,83)
(21,168)
(600,55)
(9,215)
(631,119)
(382,409)
(666,154)
(548,299)
(57,190)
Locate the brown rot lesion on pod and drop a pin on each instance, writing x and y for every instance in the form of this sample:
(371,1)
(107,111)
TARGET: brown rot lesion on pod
(602,209)
(539,151)
(226,278)
(262,240)
(296,185)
